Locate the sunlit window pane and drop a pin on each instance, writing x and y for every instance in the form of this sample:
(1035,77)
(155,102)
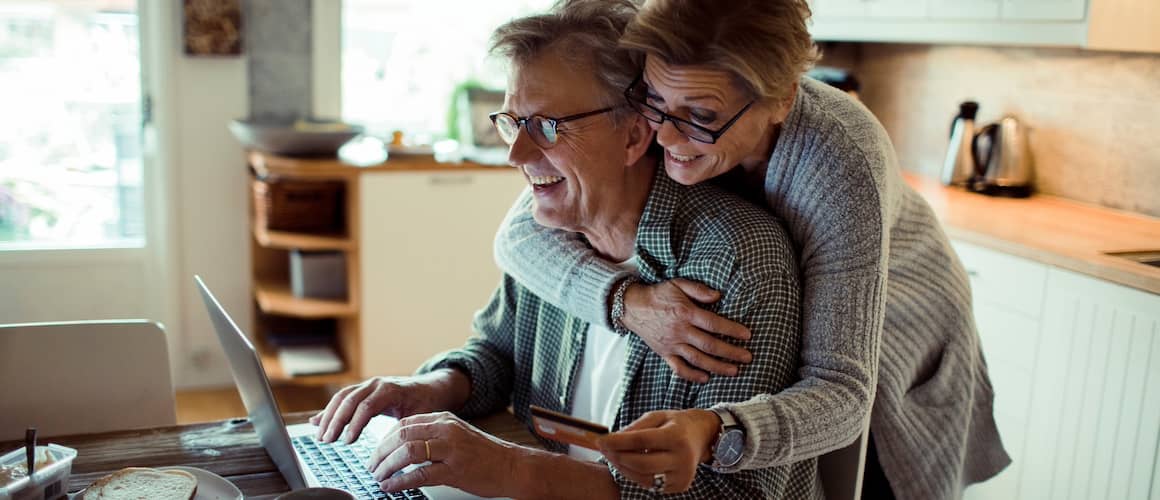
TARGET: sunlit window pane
(70,155)
(403,59)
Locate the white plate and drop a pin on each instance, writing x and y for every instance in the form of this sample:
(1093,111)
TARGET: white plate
(210,486)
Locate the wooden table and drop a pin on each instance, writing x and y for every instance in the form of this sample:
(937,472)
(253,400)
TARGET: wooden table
(228,448)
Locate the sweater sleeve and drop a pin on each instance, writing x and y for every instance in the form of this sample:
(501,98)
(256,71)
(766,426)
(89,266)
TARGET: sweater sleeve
(844,245)
(558,266)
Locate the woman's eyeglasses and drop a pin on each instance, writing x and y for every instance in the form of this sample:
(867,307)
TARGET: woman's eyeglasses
(637,96)
(543,130)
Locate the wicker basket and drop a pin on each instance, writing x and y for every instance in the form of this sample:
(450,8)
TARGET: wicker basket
(300,206)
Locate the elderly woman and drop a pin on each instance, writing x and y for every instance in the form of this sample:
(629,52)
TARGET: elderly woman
(886,306)
(584,154)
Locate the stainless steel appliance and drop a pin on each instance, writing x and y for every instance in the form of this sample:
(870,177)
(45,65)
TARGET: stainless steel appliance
(959,166)
(1002,157)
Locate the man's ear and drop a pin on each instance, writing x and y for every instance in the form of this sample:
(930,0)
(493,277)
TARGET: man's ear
(640,137)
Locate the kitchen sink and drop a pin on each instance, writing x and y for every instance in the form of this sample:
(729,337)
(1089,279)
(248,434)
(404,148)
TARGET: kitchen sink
(1146,257)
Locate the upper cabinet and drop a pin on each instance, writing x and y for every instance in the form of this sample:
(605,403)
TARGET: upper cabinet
(1096,24)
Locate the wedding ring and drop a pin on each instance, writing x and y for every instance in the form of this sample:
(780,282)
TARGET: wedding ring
(658,485)
(427,445)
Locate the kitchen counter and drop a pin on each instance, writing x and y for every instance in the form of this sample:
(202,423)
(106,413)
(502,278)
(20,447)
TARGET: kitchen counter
(1051,230)
(270,164)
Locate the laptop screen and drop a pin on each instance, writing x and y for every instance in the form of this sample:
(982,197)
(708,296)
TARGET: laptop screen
(254,387)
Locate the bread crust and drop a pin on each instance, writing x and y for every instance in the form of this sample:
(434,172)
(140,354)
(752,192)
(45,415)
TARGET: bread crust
(96,490)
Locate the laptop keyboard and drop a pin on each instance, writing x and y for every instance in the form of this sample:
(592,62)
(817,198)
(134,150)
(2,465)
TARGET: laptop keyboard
(343,466)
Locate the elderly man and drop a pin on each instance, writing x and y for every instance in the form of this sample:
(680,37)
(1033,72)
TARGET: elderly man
(586,159)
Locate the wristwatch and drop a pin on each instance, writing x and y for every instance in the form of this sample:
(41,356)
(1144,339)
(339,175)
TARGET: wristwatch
(730,444)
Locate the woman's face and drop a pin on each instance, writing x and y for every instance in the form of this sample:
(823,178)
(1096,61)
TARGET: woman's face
(710,98)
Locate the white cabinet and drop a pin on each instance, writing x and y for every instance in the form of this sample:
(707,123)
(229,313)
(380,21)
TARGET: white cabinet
(1097,24)
(1094,401)
(963,9)
(427,262)
(1007,297)
(1045,10)
(1075,363)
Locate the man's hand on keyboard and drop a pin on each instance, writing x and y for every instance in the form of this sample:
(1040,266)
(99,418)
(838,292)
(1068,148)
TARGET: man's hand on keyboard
(460,455)
(353,406)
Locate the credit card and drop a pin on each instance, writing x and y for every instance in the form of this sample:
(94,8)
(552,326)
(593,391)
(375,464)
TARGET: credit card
(566,428)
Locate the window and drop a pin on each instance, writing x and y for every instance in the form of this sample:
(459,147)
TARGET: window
(70,142)
(403,60)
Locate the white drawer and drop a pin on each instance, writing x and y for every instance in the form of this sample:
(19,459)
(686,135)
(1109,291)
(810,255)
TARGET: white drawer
(1003,280)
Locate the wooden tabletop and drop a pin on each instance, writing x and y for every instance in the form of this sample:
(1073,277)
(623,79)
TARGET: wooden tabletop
(1051,230)
(228,448)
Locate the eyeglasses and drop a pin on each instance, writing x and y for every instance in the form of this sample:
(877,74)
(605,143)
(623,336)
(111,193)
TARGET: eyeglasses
(544,131)
(637,97)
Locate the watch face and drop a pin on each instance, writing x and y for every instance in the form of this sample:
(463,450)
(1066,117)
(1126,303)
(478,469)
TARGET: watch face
(730,447)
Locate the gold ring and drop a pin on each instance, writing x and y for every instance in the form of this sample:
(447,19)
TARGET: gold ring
(427,445)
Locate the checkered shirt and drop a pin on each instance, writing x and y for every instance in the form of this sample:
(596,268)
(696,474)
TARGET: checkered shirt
(527,351)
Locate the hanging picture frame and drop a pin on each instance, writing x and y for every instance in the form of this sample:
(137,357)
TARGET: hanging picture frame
(212,27)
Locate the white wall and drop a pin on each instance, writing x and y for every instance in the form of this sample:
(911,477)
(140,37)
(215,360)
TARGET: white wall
(211,225)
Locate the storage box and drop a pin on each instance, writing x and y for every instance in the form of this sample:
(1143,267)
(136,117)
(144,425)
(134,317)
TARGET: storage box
(301,206)
(48,482)
(318,275)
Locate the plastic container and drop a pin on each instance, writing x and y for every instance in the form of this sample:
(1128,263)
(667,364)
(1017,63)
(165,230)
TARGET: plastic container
(48,482)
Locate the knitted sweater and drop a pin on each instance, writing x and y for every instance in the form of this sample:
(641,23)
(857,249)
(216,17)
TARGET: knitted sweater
(878,274)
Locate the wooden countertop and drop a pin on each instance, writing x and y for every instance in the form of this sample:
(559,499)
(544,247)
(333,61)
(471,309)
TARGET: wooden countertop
(318,168)
(1051,230)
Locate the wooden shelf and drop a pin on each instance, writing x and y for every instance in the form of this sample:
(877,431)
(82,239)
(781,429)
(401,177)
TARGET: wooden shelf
(274,371)
(275,298)
(289,241)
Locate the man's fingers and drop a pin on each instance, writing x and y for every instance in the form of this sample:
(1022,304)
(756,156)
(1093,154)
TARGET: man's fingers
(705,362)
(342,415)
(697,291)
(428,475)
(363,413)
(683,370)
(713,323)
(410,452)
(412,432)
(328,412)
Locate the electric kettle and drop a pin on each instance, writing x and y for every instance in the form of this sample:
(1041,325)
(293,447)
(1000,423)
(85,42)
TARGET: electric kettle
(1002,158)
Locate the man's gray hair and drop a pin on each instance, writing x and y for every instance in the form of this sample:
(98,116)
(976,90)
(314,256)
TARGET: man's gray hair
(587,31)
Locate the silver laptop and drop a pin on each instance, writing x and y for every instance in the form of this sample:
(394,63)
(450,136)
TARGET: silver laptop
(303,461)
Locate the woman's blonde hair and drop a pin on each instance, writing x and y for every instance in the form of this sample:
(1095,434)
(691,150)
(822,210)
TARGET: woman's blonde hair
(764,43)
(587,32)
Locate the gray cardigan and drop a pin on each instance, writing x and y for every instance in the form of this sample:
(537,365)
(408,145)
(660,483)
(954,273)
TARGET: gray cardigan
(878,274)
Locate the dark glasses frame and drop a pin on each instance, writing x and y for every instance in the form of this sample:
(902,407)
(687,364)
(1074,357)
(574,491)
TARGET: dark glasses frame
(690,129)
(538,136)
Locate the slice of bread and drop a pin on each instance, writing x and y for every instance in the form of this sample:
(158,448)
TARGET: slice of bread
(134,483)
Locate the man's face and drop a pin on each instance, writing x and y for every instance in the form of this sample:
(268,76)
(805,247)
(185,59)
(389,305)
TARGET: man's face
(569,178)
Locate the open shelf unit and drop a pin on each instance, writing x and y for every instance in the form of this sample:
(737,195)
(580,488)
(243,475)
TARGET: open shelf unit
(270,282)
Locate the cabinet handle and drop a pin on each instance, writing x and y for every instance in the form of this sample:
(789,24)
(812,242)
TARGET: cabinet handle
(444,180)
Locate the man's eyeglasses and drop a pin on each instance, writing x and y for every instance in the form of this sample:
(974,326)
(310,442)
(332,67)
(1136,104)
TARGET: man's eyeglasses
(637,96)
(543,130)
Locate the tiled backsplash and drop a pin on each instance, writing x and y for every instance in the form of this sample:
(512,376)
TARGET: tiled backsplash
(1095,116)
